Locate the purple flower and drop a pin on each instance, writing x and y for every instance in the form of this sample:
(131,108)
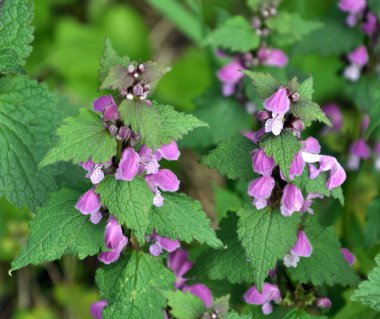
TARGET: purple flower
(272,57)
(164,180)
(107,106)
(270,293)
(358,150)
(348,256)
(369,26)
(275,124)
(128,165)
(89,204)
(94,171)
(261,189)
(114,240)
(97,309)
(297,166)
(306,207)
(359,56)
(309,146)
(261,163)
(302,248)
(179,262)
(230,75)
(162,243)
(352,6)
(254,136)
(169,152)
(292,200)
(279,102)
(201,291)
(323,303)
(333,112)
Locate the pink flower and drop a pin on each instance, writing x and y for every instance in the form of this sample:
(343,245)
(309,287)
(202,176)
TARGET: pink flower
(128,165)
(348,256)
(359,56)
(369,26)
(97,309)
(89,204)
(270,293)
(333,112)
(261,163)
(202,292)
(292,200)
(164,180)
(107,106)
(352,6)
(272,57)
(323,303)
(261,189)
(302,248)
(162,243)
(358,150)
(279,102)
(230,75)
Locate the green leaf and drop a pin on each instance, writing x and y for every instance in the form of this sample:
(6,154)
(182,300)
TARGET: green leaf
(232,158)
(229,263)
(312,186)
(306,89)
(372,229)
(118,78)
(264,84)
(135,287)
(29,115)
(82,137)
(301,314)
(308,111)
(375,7)
(176,125)
(368,292)
(332,38)
(289,28)
(255,4)
(266,237)
(235,315)
(58,229)
(354,310)
(129,202)
(182,218)
(235,34)
(326,265)
(16,34)
(225,201)
(185,305)
(110,59)
(282,148)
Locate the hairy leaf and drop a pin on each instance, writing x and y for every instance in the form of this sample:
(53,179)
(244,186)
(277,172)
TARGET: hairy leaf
(372,230)
(129,202)
(235,34)
(282,148)
(232,158)
(182,218)
(308,111)
(58,229)
(264,84)
(16,34)
(135,287)
(82,137)
(266,237)
(185,305)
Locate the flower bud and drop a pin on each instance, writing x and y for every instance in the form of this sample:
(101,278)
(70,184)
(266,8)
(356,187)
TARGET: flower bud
(141,68)
(323,303)
(263,115)
(131,68)
(113,129)
(123,134)
(348,256)
(298,125)
(138,90)
(295,97)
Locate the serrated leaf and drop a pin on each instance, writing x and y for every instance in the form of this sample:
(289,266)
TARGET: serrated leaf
(326,265)
(372,229)
(225,201)
(232,158)
(229,263)
(185,305)
(110,59)
(312,186)
(235,315)
(255,4)
(16,34)
(29,115)
(266,237)
(130,202)
(235,34)
(301,314)
(282,148)
(82,137)
(289,28)
(264,84)
(308,111)
(332,38)
(58,229)
(183,218)
(176,125)
(375,7)
(306,89)
(135,287)
(368,292)
(118,78)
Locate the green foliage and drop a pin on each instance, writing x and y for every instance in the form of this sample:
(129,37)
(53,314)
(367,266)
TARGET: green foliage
(232,158)
(368,292)
(185,305)
(354,310)
(282,148)
(159,124)
(326,265)
(129,202)
(312,186)
(183,218)
(374,6)
(301,314)
(230,262)
(290,28)
(264,84)
(334,37)
(16,34)
(27,122)
(235,315)
(234,34)
(225,201)
(135,287)
(372,230)
(58,229)
(82,137)
(266,236)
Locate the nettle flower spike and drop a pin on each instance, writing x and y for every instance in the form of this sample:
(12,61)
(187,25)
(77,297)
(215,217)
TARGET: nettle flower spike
(302,248)
(270,293)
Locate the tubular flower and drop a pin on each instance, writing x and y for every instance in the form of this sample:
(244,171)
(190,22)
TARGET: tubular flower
(302,248)
(261,189)
(272,57)
(162,243)
(270,293)
(89,204)
(292,200)
(230,75)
